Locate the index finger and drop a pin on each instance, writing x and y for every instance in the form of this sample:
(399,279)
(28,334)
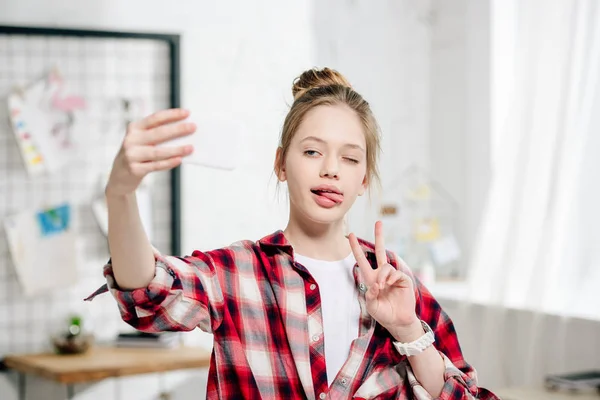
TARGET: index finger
(161,117)
(368,272)
(380,245)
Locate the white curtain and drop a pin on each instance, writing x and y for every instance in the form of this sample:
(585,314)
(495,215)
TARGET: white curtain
(538,245)
(533,304)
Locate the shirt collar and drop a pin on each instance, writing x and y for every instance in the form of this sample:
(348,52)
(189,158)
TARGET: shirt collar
(278,240)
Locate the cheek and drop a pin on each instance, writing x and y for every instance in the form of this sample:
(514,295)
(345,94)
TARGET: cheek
(358,175)
(358,184)
(300,170)
(295,178)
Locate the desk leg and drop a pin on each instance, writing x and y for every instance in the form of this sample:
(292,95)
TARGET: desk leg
(22,386)
(70,391)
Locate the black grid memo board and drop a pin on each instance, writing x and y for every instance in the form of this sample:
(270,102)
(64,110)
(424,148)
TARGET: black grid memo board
(118,74)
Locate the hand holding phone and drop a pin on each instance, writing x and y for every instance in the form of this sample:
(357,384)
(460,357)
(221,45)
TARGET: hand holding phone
(140,153)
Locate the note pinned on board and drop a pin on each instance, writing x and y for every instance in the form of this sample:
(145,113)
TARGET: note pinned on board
(43,121)
(42,248)
(427,230)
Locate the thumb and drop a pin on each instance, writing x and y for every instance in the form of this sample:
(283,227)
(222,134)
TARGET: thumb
(372,293)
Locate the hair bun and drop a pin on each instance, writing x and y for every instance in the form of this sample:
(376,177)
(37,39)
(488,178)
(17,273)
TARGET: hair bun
(314,78)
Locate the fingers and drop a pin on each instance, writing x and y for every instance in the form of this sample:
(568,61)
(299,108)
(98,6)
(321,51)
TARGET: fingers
(142,169)
(164,133)
(380,245)
(145,159)
(369,273)
(160,134)
(398,278)
(383,273)
(370,296)
(141,154)
(161,117)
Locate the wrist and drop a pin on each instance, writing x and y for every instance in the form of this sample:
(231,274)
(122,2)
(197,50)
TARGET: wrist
(413,340)
(408,333)
(111,193)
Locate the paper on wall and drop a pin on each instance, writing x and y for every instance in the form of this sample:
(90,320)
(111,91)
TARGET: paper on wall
(427,230)
(42,248)
(43,121)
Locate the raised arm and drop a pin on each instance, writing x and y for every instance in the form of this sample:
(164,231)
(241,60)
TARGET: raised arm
(131,253)
(154,292)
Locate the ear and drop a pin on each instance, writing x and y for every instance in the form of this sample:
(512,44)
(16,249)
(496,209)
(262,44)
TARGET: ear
(363,186)
(279,165)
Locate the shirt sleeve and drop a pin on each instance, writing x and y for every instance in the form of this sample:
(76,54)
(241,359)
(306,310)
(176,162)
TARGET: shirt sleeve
(459,384)
(459,376)
(185,293)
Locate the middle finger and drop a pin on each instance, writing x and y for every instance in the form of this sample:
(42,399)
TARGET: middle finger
(379,245)
(156,153)
(167,132)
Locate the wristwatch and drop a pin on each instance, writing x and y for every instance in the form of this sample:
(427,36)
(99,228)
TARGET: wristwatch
(418,346)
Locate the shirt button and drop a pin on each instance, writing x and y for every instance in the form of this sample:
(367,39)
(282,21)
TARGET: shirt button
(313,286)
(343,381)
(315,338)
(322,396)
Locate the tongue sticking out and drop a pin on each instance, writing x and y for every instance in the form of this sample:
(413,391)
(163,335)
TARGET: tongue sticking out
(335,197)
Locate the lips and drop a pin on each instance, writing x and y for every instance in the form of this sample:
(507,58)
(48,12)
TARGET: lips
(329,192)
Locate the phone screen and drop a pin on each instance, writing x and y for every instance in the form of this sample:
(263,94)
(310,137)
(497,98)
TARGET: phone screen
(217,143)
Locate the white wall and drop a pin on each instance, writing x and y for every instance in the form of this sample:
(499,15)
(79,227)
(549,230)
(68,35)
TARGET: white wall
(384,49)
(238,57)
(460,108)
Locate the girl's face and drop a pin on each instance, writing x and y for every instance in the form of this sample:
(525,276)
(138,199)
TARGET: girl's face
(325,166)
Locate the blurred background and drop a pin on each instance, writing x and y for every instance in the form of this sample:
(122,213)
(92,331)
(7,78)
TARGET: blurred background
(490,117)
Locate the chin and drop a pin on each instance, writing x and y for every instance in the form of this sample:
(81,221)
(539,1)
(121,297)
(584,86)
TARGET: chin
(324,216)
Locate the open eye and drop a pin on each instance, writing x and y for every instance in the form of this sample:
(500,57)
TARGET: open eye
(311,153)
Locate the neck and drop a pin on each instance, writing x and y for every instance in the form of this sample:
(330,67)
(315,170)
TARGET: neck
(325,242)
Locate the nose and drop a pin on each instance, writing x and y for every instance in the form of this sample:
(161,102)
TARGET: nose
(330,168)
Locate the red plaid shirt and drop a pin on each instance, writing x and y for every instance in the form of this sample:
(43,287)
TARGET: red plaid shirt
(268,328)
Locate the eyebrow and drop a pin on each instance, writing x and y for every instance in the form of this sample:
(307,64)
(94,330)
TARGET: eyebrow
(316,139)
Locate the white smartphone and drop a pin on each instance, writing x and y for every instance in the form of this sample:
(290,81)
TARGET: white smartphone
(216,142)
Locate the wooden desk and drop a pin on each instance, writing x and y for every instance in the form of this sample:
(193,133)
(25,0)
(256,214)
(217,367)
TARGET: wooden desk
(104,362)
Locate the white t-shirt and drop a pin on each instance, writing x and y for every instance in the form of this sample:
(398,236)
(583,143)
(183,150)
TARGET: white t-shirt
(339,305)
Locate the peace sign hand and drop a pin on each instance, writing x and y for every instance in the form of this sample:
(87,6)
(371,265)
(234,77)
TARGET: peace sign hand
(390,295)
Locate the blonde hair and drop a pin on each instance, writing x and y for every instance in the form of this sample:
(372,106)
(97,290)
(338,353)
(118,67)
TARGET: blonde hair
(318,87)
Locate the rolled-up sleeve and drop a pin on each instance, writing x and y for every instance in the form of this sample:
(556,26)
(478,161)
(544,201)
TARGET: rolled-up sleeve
(460,377)
(185,293)
(460,384)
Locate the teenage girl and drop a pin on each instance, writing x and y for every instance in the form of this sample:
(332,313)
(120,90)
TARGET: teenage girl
(302,313)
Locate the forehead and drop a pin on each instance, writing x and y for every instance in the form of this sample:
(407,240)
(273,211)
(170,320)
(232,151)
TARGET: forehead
(338,125)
